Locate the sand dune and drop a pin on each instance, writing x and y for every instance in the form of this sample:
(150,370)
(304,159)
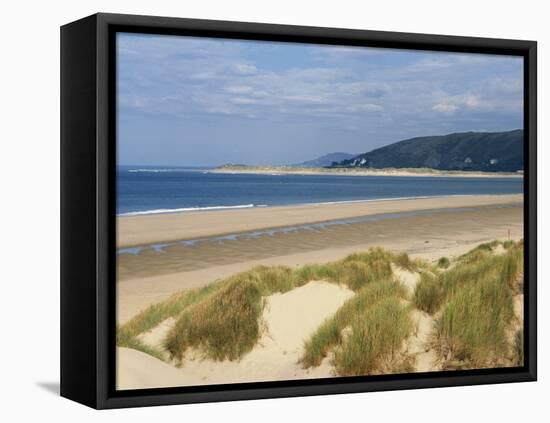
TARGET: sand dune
(451,227)
(289,319)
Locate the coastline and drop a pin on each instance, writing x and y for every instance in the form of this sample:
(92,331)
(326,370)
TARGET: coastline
(396,172)
(150,276)
(171,227)
(290,318)
(447,227)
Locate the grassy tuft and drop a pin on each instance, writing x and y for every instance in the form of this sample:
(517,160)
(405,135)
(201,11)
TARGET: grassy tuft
(478,307)
(443,263)
(330,333)
(508,244)
(513,267)
(404,261)
(474,266)
(376,334)
(224,325)
(473,323)
(127,340)
(172,307)
(518,348)
(268,279)
(223,318)
(355,271)
(429,293)
(480,252)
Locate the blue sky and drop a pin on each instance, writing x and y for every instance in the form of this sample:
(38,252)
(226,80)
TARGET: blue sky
(198,101)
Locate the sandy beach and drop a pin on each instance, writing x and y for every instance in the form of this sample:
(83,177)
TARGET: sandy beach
(427,228)
(448,227)
(160,228)
(285,170)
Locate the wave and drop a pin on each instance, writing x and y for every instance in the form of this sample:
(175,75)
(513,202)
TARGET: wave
(189,209)
(370,200)
(249,206)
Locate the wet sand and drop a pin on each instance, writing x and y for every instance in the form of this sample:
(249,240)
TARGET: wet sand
(449,230)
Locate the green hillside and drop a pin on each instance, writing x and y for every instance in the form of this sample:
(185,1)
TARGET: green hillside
(481,151)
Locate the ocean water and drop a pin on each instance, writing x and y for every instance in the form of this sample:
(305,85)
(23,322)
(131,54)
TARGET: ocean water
(168,190)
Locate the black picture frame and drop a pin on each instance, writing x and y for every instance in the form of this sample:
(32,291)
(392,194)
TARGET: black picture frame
(88,209)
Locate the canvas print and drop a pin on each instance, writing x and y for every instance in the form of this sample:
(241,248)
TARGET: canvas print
(290,211)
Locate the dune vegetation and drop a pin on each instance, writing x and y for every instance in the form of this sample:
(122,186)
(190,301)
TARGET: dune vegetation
(470,298)
(363,331)
(473,305)
(227,324)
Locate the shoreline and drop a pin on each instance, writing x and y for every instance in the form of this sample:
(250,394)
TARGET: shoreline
(150,229)
(320,203)
(280,230)
(150,276)
(392,172)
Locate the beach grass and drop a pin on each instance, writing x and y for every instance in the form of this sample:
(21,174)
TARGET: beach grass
(227,323)
(157,313)
(331,333)
(404,261)
(127,334)
(429,293)
(473,267)
(224,325)
(377,333)
(473,302)
(480,252)
(127,340)
(473,323)
(507,244)
(443,263)
(354,271)
(518,348)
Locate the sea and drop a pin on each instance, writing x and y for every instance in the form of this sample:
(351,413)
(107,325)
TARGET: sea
(151,190)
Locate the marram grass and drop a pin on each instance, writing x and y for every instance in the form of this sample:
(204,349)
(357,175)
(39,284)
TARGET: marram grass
(226,324)
(429,293)
(518,348)
(478,264)
(331,333)
(376,335)
(473,323)
(471,300)
(443,263)
(474,305)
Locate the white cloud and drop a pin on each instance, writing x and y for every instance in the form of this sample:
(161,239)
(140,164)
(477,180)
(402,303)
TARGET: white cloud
(352,85)
(203,76)
(445,108)
(245,100)
(245,69)
(238,89)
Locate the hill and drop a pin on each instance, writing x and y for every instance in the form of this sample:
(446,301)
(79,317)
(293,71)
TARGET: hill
(480,151)
(326,160)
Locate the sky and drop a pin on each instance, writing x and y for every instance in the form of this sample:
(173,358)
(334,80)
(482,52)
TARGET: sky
(191,101)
